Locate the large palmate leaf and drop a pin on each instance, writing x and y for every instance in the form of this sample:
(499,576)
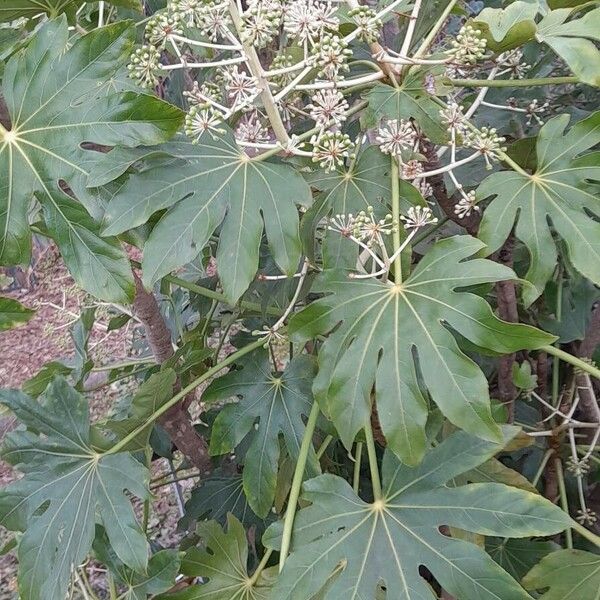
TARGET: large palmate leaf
(270,404)
(409,101)
(224,562)
(13,313)
(15,9)
(67,486)
(216,185)
(387,541)
(566,575)
(574,41)
(556,191)
(57,99)
(377,329)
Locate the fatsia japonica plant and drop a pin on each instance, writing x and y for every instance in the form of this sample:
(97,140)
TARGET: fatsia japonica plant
(361,243)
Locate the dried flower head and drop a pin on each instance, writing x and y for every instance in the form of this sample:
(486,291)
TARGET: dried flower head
(534,110)
(250,129)
(412,169)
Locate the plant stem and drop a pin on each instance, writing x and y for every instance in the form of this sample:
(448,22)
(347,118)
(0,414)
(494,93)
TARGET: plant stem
(512,83)
(183,393)
(587,534)
(395,175)
(324,446)
(547,456)
(290,513)
(357,461)
(572,360)
(373,462)
(564,501)
(202,291)
(112,588)
(125,365)
(435,30)
(257,71)
(260,568)
(556,364)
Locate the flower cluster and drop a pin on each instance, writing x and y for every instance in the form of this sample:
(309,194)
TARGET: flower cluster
(487,142)
(331,148)
(468,47)
(201,118)
(396,136)
(418,216)
(368,23)
(331,55)
(144,66)
(370,230)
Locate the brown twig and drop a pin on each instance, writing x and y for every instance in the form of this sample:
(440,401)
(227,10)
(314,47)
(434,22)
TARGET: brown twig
(508,311)
(176,421)
(440,192)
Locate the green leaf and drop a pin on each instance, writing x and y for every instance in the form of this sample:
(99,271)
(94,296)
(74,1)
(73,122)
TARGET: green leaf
(216,496)
(390,539)
(518,556)
(218,185)
(57,98)
(574,41)
(270,404)
(410,100)
(39,382)
(67,486)
(149,397)
(13,313)
(556,191)
(15,9)
(163,568)
(224,561)
(566,575)
(507,28)
(379,327)
(493,471)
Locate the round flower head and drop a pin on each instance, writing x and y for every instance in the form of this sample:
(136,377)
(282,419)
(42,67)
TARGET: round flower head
(331,53)
(488,142)
(214,20)
(469,46)
(331,148)
(412,170)
(370,230)
(261,23)
(370,27)
(329,107)
(512,60)
(160,27)
(395,136)
(534,109)
(200,119)
(454,117)
(300,21)
(241,88)
(466,205)
(189,12)
(251,130)
(144,66)
(418,216)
